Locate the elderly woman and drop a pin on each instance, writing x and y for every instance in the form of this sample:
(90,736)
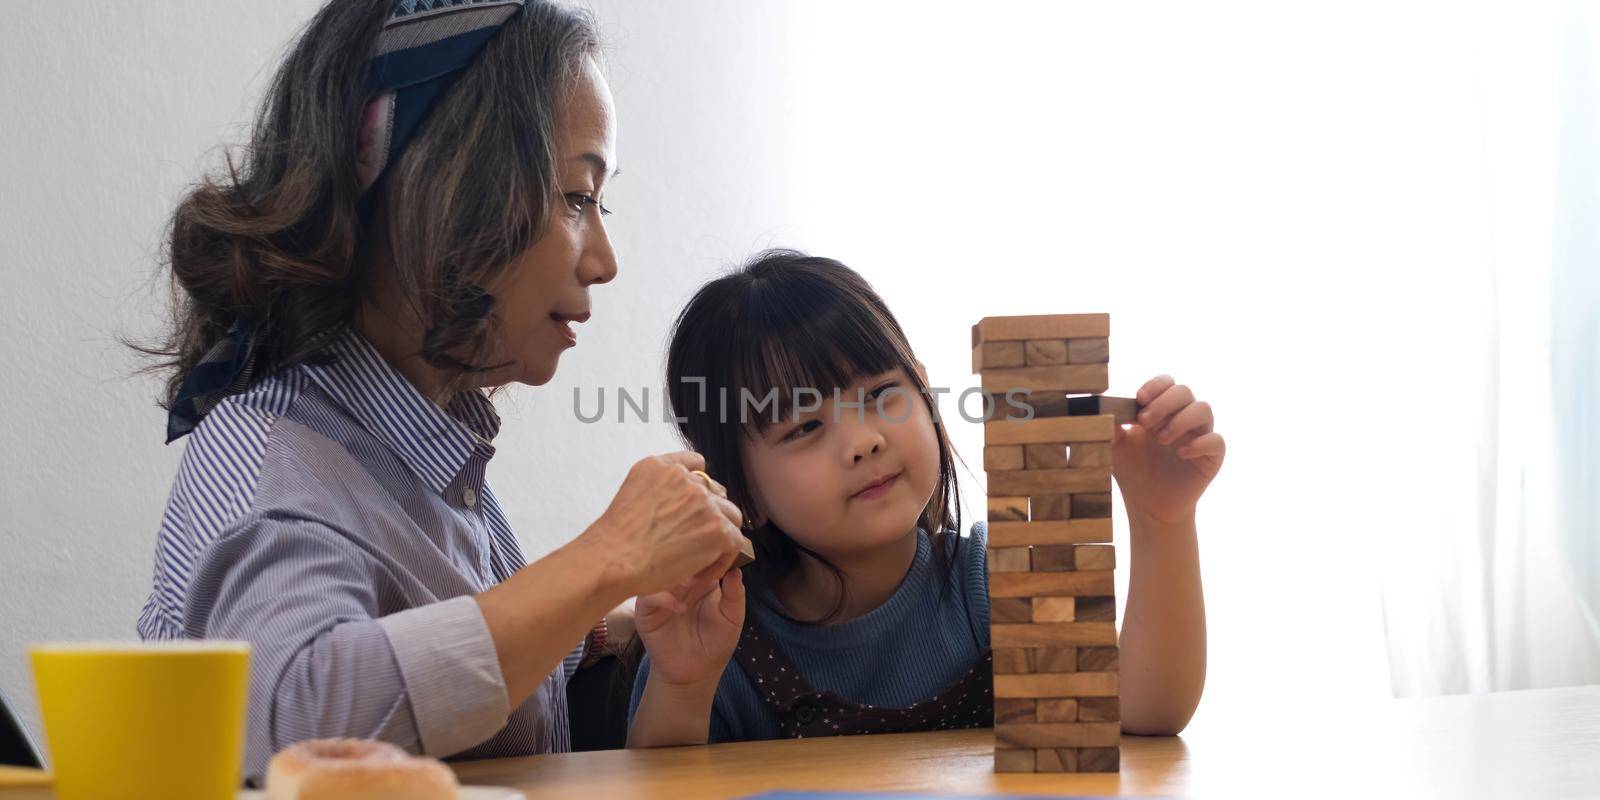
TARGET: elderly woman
(418,219)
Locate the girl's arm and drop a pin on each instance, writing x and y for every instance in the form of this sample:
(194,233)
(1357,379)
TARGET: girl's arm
(1162,464)
(672,715)
(690,634)
(1163,658)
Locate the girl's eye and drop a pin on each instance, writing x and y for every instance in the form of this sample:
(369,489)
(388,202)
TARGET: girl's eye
(578,200)
(878,392)
(802,430)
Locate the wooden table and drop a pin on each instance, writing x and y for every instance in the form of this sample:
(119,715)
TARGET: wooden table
(1531,744)
(1543,743)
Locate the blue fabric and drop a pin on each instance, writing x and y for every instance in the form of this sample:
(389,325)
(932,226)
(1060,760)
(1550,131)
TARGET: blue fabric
(919,642)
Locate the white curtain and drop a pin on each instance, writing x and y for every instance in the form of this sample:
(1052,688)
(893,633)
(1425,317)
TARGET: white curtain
(1504,593)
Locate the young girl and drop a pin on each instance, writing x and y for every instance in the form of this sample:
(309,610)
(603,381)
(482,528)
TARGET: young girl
(867,611)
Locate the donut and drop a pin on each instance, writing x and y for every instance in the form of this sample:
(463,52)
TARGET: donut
(356,769)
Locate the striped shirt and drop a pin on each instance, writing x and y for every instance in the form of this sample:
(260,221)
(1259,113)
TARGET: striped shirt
(338,520)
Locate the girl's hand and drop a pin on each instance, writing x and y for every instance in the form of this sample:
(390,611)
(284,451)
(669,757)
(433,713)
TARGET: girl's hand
(692,646)
(1165,461)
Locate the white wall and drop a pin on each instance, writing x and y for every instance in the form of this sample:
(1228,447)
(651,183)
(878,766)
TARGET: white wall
(1283,205)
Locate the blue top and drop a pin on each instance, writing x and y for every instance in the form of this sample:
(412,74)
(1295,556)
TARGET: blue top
(924,638)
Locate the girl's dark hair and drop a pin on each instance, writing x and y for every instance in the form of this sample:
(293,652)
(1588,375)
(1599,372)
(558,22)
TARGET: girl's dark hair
(278,241)
(787,320)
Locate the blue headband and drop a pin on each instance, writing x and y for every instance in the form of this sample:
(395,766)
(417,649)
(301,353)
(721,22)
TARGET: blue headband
(424,47)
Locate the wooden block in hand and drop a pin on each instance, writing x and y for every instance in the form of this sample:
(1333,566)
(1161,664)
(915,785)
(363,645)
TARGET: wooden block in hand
(1009,559)
(1044,352)
(1042,326)
(1009,509)
(1004,458)
(1096,350)
(747,553)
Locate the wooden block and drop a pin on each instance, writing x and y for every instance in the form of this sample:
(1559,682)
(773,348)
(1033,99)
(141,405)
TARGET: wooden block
(1089,454)
(1090,709)
(1078,378)
(997,355)
(1045,352)
(1044,609)
(1056,759)
(1125,410)
(1080,583)
(1053,634)
(1071,531)
(1009,559)
(1053,558)
(1096,609)
(1099,759)
(1012,609)
(1097,659)
(1002,458)
(1042,326)
(1091,505)
(1050,507)
(1042,456)
(1010,509)
(1058,709)
(1094,556)
(1030,660)
(1014,709)
(1013,760)
(1096,350)
(1058,685)
(1059,734)
(1050,430)
(747,553)
(1050,481)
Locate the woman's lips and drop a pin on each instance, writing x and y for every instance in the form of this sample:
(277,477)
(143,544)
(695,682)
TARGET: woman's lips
(564,322)
(878,489)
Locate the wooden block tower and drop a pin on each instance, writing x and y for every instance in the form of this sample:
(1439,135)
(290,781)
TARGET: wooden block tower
(1052,599)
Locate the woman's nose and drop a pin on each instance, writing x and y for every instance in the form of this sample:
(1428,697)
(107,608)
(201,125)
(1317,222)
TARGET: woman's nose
(598,263)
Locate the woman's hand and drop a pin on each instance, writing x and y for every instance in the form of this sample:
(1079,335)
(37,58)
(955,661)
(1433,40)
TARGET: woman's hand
(690,648)
(1165,461)
(666,528)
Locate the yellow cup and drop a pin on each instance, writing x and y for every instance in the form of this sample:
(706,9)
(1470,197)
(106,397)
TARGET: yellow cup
(159,721)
